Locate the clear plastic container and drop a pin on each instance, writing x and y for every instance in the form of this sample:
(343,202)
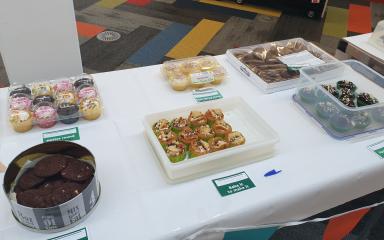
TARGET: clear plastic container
(377,37)
(343,114)
(46,103)
(260,139)
(275,66)
(195,72)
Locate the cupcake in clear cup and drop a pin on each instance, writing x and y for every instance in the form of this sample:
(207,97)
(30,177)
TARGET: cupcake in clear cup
(21,120)
(20,101)
(45,114)
(90,108)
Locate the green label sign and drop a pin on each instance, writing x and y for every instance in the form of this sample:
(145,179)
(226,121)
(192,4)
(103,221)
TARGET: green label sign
(206,94)
(80,234)
(233,184)
(377,148)
(380,152)
(70,134)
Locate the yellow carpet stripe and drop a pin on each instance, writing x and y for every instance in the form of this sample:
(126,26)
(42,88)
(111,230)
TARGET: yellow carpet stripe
(336,22)
(249,8)
(110,3)
(195,41)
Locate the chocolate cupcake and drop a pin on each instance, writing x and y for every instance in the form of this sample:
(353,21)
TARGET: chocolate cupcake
(364,99)
(346,84)
(361,120)
(331,89)
(40,99)
(308,95)
(341,122)
(326,109)
(347,101)
(347,93)
(83,80)
(22,89)
(68,113)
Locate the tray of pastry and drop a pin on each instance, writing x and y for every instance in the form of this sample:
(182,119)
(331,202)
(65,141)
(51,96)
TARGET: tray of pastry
(275,66)
(44,104)
(195,72)
(209,137)
(345,98)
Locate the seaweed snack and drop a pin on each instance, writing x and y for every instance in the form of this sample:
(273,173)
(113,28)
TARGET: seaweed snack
(235,139)
(221,128)
(183,138)
(176,151)
(213,115)
(178,124)
(160,125)
(205,132)
(199,148)
(166,136)
(197,118)
(217,144)
(187,135)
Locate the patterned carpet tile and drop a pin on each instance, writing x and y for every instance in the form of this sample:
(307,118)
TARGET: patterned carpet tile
(156,30)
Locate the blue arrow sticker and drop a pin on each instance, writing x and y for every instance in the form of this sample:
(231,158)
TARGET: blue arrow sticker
(272,172)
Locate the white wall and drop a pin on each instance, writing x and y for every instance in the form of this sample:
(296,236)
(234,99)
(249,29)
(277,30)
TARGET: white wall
(38,40)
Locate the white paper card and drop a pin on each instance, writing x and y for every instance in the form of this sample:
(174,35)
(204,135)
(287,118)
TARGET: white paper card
(300,59)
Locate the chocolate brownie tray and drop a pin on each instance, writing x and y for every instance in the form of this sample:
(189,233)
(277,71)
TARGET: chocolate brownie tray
(52,187)
(345,98)
(275,66)
(201,139)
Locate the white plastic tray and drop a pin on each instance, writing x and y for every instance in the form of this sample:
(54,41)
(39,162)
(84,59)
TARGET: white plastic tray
(260,140)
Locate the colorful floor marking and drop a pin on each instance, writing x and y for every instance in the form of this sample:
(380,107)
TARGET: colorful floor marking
(247,8)
(110,3)
(140,3)
(196,39)
(335,24)
(359,20)
(88,30)
(155,49)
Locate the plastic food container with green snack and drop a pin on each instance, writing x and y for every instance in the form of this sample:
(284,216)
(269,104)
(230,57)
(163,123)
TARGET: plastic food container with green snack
(199,150)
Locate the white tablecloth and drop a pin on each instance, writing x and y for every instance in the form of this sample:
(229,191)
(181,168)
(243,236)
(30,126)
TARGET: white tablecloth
(318,172)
